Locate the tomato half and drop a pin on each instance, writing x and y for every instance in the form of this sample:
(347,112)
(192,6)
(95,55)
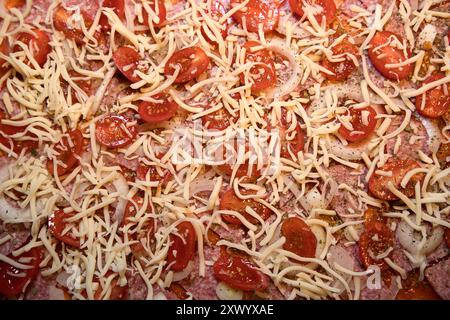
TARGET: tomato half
(113,132)
(415,289)
(378,184)
(343,69)
(68,152)
(38,42)
(191,61)
(299,237)
(14,280)
(239,273)
(217,10)
(127,60)
(328,9)
(297,139)
(262,74)
(57,224)
(85,85)
(436,101)
(230,201)
(155,112)
(218,120)
(264,12)
(142,170)
(178,291)
(360,130)
(381,53)
(9,129)
(4,49)
(376,238)
(182,247)
(118,7)
(61,20)
(162,13)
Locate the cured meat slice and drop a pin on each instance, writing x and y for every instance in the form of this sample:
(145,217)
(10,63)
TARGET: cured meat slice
(439,278)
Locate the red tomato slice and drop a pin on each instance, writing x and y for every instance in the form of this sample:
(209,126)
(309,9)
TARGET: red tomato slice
(18,146)
(328,6)
(378,184)
(85,85)
(155,112)
(117,292)
(343,69)
(360,130)
(218,10)
(239,273)
(128,61)
(265,12)
(38,43)
(60,20)
(4,49)
(299,237)
(14,280)
(295,145)
(118,7)
(68,152)
(415,289)
(179,291)
(9,4)
(9,129)
(147,230)
(218,120)
(381,53)
(263,73)
(142,170)
(113,132)
(376,238)
(436,101)
(181,250)
(242,171)
(230,201)
(57,224)
(192,62)
(162,13)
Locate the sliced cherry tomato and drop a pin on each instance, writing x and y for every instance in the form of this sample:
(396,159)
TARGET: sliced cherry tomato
(218,120)
(61,18)
(85,85)
(14,280)
(57,224)
(69,151)
(239,273)
(328,9)
(118,7)
(147,230)
(242,171)
(18,145)
(342,69)
(262,74)
(437,102)
(415,289)
(128,61)
(182,247)
(230,201)
(142,170)
(161,13)
(360,130)
(117,292)
(9,4)
(299,237)
(212,237)
(113,132)
(179,291)
(5,50)
(296,142)
(376,238)
(399,168)
(382,52)
(256,12)
(192,62)
(156,112)
(9,129)
(38,43)
(218,10)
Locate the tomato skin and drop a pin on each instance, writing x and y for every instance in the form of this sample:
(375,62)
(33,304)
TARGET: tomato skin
(162,13)
(9,4)
(329,7)
(127,61)
(356,121)
(437,103)
(192,61)
(156,112)
(4,49)
(118,7)
(57,224)
(38,40)
(230,201)
(218,120)
(343,69)
(264,79)
(299,237)
(368,245)
(378,184)
(109,131)
(67,155)
(60,18)
(265,12)
(11,286)
(390,55)
(239,273)
(181,252)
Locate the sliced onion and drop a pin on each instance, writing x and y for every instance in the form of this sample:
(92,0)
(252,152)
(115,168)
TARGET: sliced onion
(410,239)
(183,274)
(200,185)
(62,278)
(426,36)
(121,186)
(338,254)
(159,296)
(225,292)
(434,134)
